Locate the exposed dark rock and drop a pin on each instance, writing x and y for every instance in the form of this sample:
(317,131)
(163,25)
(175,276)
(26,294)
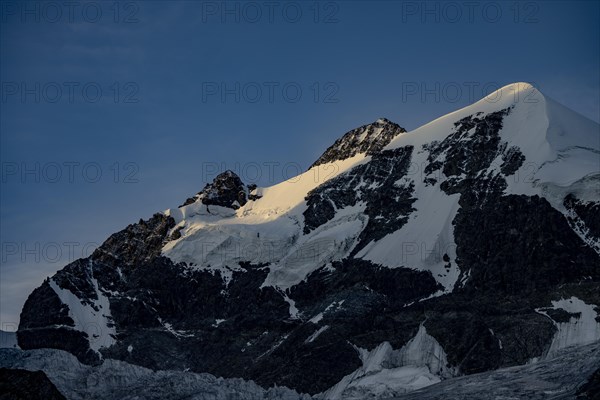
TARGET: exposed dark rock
(398,286)
(45,322)
(20,384)
(252,196)
(188,201)
(49,309)
(136,244)
(560,316)
(523,253)
(226,190)
(588,212)
(591,389)
(387,203)
(487,332)
(467,154)
(512,161)
(176,234)
(369,139)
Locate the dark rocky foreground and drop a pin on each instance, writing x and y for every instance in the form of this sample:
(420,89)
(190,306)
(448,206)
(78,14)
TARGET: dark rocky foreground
(572,375)
(119,380)
(20,384)
(515,253)
(591,388)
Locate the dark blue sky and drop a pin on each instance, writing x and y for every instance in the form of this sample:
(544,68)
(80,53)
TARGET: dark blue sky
(110,114)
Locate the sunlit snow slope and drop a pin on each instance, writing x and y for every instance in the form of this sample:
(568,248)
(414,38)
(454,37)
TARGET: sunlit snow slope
(269,230)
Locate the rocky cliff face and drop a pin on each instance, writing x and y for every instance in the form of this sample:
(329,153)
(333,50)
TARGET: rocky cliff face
(473,240)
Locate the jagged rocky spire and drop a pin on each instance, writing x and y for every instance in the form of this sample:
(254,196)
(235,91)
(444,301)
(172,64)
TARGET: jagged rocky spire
(226,190)
(367,139)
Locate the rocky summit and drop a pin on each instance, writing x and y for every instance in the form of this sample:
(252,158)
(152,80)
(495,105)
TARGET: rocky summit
(397,261)
(227,190)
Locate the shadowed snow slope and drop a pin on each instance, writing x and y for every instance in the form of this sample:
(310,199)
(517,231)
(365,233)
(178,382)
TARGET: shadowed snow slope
(559,378)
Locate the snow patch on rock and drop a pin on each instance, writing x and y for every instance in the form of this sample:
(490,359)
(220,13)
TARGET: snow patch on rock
(316,334)
(97,325)
(582,328)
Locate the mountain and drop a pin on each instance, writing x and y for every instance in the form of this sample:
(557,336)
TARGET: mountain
(469,244)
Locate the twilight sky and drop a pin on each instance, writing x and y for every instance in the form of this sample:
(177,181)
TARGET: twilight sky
(110,111)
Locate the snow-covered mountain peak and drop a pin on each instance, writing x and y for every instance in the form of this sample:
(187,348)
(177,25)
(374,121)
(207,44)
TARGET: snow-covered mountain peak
(412,241)
(367,139)
(517,95)
(513,92)
(547,134)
